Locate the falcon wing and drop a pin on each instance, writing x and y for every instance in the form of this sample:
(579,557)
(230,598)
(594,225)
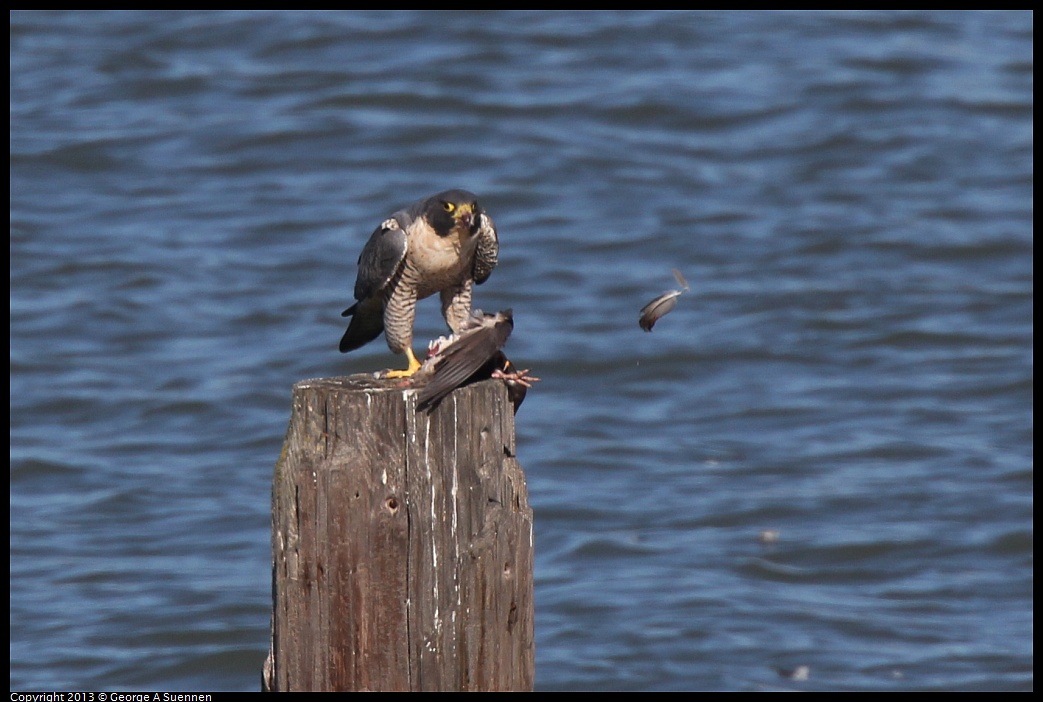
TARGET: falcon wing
(381,259)
(486,253)
(379,263)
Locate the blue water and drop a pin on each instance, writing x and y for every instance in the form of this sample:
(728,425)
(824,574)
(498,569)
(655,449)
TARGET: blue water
(821,458)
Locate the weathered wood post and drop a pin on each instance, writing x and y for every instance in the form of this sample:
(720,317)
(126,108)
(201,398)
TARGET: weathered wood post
(402,548)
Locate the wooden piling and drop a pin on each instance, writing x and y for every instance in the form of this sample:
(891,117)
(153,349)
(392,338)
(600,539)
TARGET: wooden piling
(402,548)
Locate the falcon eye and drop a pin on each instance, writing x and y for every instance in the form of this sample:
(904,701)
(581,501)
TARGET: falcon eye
(449,207)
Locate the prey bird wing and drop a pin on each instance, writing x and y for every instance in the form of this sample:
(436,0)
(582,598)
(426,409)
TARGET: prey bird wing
(474,348)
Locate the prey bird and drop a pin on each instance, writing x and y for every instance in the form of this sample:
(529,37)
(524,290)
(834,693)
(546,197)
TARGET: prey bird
(473,354)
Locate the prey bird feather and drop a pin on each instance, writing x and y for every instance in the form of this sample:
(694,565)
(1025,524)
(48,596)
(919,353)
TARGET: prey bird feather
(657,308)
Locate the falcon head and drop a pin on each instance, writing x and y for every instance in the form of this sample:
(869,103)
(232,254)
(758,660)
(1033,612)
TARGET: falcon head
(453,211)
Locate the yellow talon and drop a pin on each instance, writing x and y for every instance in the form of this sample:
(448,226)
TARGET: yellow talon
(414,366)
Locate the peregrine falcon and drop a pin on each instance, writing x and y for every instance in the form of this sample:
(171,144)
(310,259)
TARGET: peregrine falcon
(443,244)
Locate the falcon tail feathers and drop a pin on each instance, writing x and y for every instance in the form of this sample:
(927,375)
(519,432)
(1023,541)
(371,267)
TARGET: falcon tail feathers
(367,323)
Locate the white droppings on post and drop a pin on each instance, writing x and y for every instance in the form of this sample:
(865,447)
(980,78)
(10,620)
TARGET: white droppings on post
(434,542)
(456,481)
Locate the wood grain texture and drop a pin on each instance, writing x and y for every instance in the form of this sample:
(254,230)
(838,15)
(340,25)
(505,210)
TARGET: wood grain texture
(402,543)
